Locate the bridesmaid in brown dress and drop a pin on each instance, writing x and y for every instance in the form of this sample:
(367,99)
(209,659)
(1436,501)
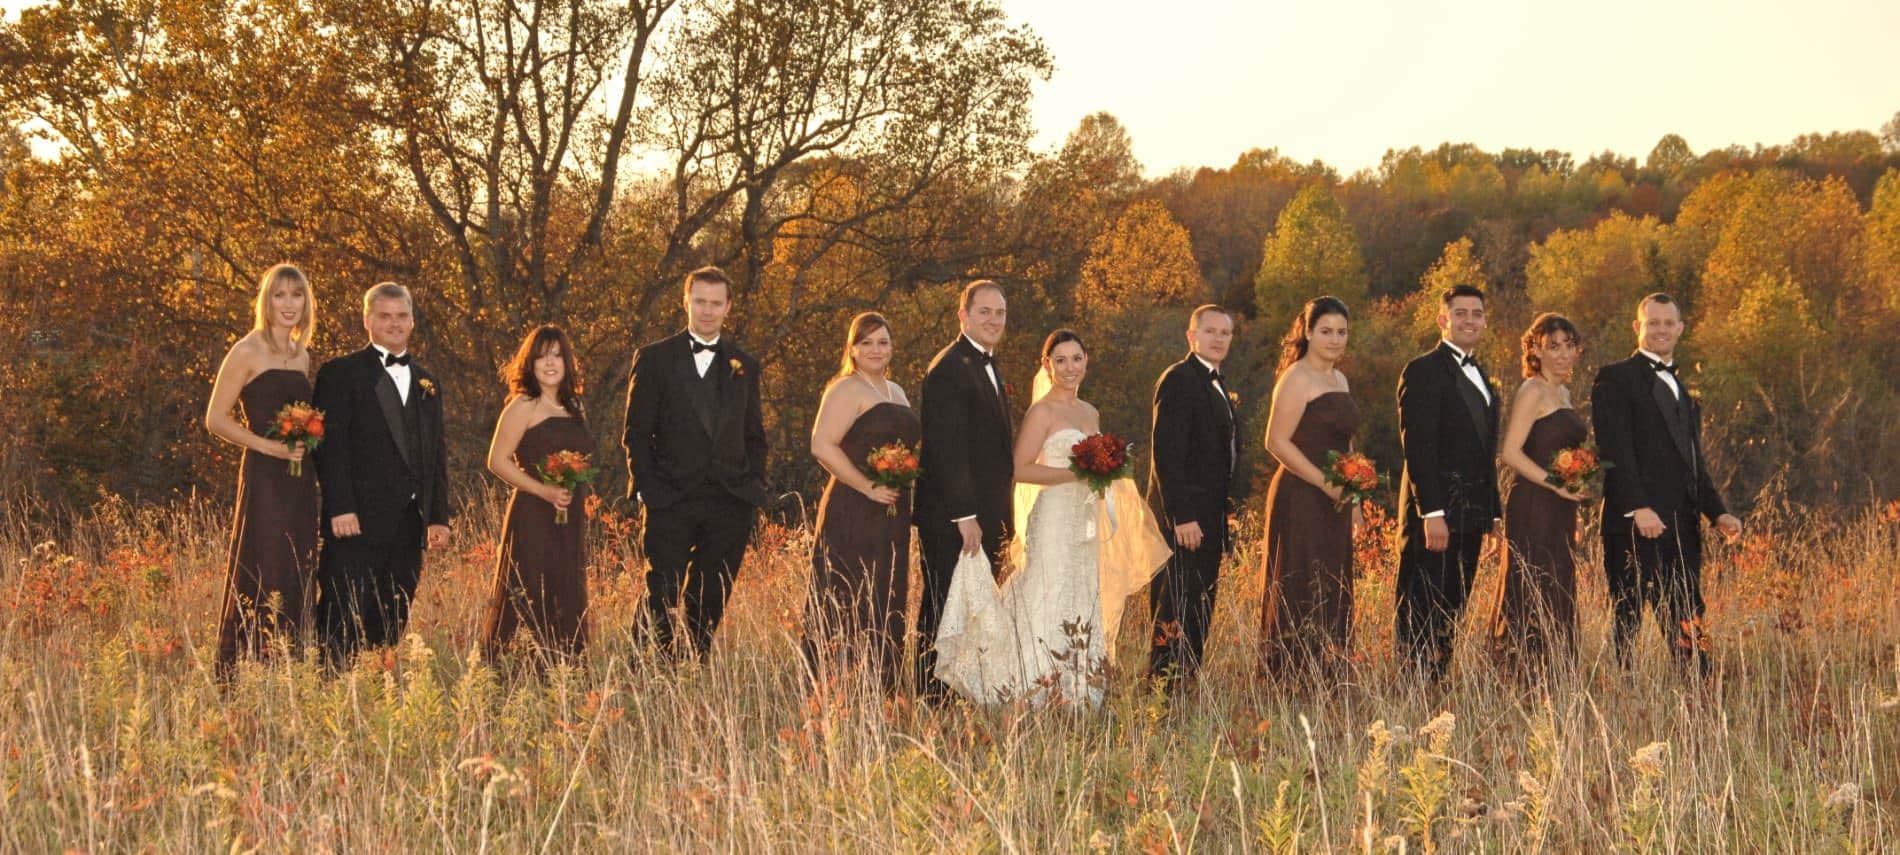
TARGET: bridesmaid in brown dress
(860,579)
(274,530)
(1306,618)
(1536,622)
(541,567)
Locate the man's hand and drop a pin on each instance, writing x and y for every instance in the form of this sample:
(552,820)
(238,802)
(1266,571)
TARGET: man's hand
(1649,525)
(972,536)
(1188,536)
(438,536)
(1730,526)
(345,525)
(1437,534)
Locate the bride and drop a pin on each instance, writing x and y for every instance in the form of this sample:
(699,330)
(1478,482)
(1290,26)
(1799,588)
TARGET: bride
(1047,634)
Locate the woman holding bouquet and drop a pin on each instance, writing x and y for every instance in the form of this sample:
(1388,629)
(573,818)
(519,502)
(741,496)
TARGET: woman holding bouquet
(1536,622)
(1306,617)
(541,437)
(274,532)
(866,435)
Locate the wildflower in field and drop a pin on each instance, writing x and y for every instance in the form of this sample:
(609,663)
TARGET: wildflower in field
(1649,759)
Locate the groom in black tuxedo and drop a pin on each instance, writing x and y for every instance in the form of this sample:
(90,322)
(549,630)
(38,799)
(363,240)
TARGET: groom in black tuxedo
(1190,485)
(696,449)
(964,498)
(1448,430)
(1650,426)
(384,471)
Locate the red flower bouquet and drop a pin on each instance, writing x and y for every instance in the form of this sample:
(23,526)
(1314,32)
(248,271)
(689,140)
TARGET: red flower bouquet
(298,423)
(895,466)
(1099,460)
(567,470)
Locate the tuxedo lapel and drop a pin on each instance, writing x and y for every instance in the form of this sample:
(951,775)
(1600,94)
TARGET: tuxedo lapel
(731,392)
(390,401)
(1671,408)
(1475,403)
(688,374)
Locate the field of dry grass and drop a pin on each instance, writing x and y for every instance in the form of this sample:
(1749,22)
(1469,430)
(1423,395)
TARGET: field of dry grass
(114,735)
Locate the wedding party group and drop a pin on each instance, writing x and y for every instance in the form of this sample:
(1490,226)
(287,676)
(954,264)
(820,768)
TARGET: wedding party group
(1031,537)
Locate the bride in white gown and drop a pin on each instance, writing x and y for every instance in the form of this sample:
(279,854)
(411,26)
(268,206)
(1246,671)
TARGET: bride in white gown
(1047,634)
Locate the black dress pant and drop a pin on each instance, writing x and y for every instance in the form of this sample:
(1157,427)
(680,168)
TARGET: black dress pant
(939,545)
(1432,589)
(365,587)
(694,548)
(1664,572)
(1181,603)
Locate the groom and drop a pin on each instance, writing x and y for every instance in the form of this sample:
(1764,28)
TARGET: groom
(696,449)
(383,468)
(1448,431)
(964,498)
(1190,485)
(1650,426)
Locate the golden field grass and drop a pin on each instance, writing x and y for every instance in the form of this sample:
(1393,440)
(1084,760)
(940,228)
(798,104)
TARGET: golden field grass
(115,736)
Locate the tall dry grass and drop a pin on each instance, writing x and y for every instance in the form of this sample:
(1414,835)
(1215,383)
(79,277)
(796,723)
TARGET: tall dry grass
(115,735)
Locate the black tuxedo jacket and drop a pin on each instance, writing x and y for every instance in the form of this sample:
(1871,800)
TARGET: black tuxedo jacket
(682,436)
(377,451)
(1192,450)
(968,443)
(1654,440)
(1449,434)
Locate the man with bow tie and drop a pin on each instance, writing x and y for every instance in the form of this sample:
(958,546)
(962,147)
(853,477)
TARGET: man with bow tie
(383,467)
(696,448)
(1650,426)
(1448,492)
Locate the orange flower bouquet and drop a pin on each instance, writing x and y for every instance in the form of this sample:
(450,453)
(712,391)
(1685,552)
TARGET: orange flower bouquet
(1099,460)
(297,423)
(567,470)
(895,466)
(1356,477)
(1577,469)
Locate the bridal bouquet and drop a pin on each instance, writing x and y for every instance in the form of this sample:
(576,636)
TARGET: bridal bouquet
(1099,460)
(1355,475)
(567,470)
(297,423)
(1577,469)
(894,466)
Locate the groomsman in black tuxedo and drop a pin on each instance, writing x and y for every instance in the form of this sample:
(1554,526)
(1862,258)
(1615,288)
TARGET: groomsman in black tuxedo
(1448,493)
(1650,426)
(383,468)
(964,498)
(1195,451)
(696,460)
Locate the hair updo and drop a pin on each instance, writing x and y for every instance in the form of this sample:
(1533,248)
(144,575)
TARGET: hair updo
(1299,338)
(1539,333)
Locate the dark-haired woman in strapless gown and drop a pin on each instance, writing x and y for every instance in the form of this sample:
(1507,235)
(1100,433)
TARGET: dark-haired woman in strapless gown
(1537,613)
(273,554)
(540,580)
(860,576)
(1306,620)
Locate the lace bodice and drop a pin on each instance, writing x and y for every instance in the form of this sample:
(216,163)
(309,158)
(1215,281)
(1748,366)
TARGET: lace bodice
(1055,449)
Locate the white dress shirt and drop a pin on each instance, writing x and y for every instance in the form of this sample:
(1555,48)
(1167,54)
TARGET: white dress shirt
(1667,378)
(990,368)
(1233,438)
(702,360)
(1471,372)
(398,373)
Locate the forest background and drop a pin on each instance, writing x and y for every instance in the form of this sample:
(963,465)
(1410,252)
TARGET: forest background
(567,161)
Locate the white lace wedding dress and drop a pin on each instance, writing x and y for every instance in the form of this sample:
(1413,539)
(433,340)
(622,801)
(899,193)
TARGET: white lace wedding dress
(1046,634)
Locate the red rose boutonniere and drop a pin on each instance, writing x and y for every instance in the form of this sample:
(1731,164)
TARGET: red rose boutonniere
(1009,389)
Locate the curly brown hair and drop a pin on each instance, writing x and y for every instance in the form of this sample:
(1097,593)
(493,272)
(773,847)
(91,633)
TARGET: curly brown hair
(1539,332)
(518,374)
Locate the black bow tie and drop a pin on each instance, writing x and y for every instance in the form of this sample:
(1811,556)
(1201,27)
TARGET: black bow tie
(392,359)
(1663,366)
(986,358)
(1467,360)
(699,346)
(1216,376)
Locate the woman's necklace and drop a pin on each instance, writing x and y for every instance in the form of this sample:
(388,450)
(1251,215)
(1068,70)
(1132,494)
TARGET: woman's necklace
(882,393)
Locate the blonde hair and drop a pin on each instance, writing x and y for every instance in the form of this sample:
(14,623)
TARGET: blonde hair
(861,328)
(386,291)
(306,325)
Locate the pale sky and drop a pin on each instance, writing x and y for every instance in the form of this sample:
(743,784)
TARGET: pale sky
(1197,82)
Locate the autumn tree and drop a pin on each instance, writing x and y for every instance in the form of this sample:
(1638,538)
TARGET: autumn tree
(1312,252)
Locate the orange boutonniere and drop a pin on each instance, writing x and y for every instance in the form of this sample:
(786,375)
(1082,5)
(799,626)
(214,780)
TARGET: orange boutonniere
(738,368)
(428,387)
(1234,399)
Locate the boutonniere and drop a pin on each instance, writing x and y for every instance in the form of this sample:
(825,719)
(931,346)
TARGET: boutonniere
(738,368)
(1233,399)
(1496,387)
(428,387)
(1009,389)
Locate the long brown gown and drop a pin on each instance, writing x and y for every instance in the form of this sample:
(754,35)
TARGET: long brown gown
(1306,618)
(860,579)
(273,533)
(1537,612)
(541,569)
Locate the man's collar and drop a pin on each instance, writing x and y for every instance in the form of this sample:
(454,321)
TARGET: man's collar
(1211,368)
(1454,348)
(980,348)
(384,351)
(1654,358)
(713,340)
